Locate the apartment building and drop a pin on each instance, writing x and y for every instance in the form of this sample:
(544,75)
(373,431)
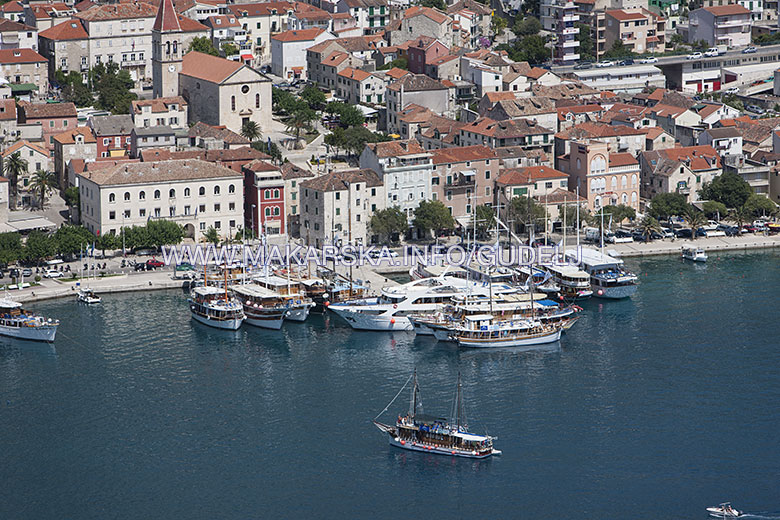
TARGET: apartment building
(194,193)
(261,21)
(640,31)
(463,178)
(682,169)
(66,47)
(265,199)
(560,17)
(78,143)
(171,111)
(15,35)
(25,66)
(721,25)
(54,118)
(358,86)
(372,15)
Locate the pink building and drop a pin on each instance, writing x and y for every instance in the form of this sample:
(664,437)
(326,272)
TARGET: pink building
(54,118)
(264,198)
(424,50)
(463,176)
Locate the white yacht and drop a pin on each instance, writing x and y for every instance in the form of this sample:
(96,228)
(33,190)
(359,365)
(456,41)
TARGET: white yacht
(88,296)
(608,278)
(695,254)
(573,282)
(481,331)
(19,323)
(213,306)
(390,310)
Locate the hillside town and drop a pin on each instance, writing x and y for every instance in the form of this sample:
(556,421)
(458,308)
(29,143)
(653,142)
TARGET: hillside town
(369,120)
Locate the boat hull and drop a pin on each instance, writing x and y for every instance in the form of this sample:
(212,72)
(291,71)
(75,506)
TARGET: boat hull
(421,328)
(617,292)
(266,322)
(298,313)
(363,321)
(232,324)
(522,341)
(438,450)
(43,333)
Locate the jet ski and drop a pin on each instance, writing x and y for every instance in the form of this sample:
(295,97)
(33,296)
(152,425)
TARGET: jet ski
(724,511)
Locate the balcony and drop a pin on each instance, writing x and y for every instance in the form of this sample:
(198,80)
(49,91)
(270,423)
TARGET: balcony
(133,63)
(566,17)
(570,44)
(569,30)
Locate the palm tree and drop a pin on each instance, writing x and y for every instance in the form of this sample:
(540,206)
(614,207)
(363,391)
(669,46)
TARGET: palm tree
(740,216)
(695,219)
(648,226)
(42,182)
(250,130)
(15,166)
(300,119)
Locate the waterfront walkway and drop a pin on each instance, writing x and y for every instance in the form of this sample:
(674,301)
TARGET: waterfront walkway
(672,247)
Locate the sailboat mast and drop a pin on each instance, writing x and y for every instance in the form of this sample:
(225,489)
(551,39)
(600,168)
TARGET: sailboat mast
(578,216)
(413,400)
(460,402)
(226,292)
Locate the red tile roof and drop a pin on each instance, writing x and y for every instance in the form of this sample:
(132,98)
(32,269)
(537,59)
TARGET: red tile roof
(356,74)
(166,19)
(20,56)
(621,15)
(621,159)
(462,154)
(527,175)
(69,30)
(207,67)
(727,10)
(69,137)
(118,12)
(298,36)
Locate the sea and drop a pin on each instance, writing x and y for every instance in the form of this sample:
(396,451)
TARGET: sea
(652,407)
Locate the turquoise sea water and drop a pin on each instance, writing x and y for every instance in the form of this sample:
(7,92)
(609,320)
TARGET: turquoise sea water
(653,407)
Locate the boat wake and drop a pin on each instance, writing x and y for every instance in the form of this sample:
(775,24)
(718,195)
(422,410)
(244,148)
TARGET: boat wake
(761,515)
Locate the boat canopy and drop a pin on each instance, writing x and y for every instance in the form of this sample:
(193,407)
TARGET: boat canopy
(594,258)
(205,290)
(422,418)
(255,291)
(547,303)
(479,317)
(5,303)
(469,436)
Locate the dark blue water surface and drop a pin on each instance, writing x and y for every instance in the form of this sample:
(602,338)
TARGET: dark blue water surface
(654,407)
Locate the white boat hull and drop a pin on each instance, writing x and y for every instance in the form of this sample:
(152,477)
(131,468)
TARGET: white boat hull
(363,321)
(298,313)
(273,323)
(717,512)
(42,333)
(232,324)
(615,293)
(438,450)
(522,341)
(421,328)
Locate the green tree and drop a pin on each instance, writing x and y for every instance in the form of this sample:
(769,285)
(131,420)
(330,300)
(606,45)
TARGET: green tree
(242,233)
(108,241)
(714,209)
(617,213)
(676,40)
(527,26)
(356,137)
(486,219)
(73,88)
(11,248)
(400,63)
(433,215)
(530,48)
(73,197)
(351,115)
(436,4)
(229,49)
(203,44)
(336,140)
(39,246)
(526,211)
(727,188)
(694,218)
(760,206)
(313,96)
(71,239)
(740,216)
(250,130)
(164,232)
(301,119)
(586,42)
(498,24)
(113,88)
(647,226)
(665,205)
(388,222)
(273,150)
(42,183)
(211,236)
(619,50)
(15,166)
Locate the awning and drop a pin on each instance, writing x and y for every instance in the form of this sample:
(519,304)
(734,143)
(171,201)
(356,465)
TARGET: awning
(31,223)
(468,173)
(297,69)
(367,111)
(247,57)
(22,87)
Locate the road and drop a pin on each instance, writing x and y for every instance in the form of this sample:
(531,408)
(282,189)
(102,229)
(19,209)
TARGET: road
(737,56)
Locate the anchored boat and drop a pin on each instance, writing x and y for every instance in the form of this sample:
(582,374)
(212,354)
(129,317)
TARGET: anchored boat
(416,431)
(19,323)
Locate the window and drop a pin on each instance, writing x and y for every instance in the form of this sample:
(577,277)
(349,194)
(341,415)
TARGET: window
(245,89)
(127,213)
(202,226)
(172,194)
(172,211)
(267,212)
(111,215)
(257,100)
(231,189)
(202,208)
(142,195)
(217,208)
(217,224)
(201,191)
(111,197)
(216,190)
(156,194)
(276,194)
(142,213)
(233,103)
(127,196)
(186,192)
(338,211)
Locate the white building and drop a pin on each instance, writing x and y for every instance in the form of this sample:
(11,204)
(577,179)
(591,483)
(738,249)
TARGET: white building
(193,193)
(288,51)
(405,169)
(631,79)
(721,25)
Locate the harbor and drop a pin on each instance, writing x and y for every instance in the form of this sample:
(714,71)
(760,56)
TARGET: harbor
(636,402)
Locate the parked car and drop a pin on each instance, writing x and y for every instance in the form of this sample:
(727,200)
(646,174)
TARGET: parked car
(651,59)
(667,233)
(732,90)
(750,228)
(695,56)
(53,273)
(27,272)
(755,109)
(683,233)
(603,64)
(730,231)
(712,52)
(154,263)
(623,63)
(749,50)
(584,65)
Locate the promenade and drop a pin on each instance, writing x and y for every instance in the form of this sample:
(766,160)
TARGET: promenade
(669,247)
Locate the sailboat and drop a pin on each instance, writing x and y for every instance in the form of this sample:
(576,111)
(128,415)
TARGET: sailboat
(428,433)
(85,294)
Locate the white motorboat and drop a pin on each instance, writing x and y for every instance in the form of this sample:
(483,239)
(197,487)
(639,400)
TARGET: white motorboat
(574,283)
(694,254)
(608,277)
(213,306)
(390,310)
(724,511)
(88,296)
(16,322)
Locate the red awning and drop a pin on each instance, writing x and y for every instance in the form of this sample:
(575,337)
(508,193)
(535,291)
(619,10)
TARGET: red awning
(247,57)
